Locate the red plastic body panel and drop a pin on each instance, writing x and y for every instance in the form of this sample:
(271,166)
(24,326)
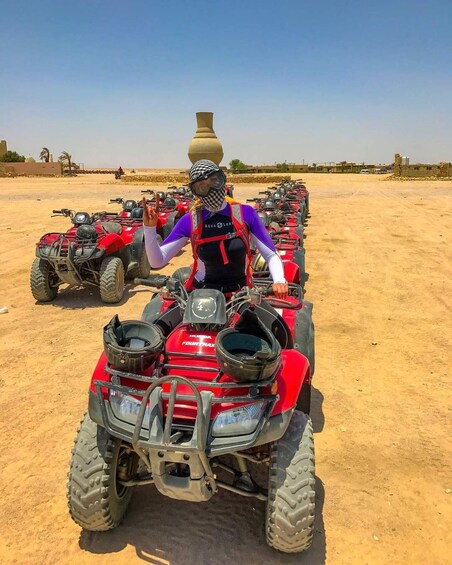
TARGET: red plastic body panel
(291,271)
(293,371)
(112,242)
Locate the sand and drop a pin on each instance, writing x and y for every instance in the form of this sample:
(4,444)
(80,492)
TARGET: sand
(379,262)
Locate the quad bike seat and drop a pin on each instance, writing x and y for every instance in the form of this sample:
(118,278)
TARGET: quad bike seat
(112,227)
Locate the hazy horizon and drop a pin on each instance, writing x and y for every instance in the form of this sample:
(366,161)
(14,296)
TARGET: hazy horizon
(117,84)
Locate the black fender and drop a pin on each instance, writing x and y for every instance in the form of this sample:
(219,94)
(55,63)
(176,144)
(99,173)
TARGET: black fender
(304,334)
(300,260)
(137,245)
(171,221)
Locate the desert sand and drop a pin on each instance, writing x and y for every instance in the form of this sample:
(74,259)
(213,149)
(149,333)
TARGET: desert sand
(378,254)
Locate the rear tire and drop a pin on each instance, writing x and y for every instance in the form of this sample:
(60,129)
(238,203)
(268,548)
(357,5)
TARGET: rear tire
(291,494)
(96,501)
(111,280)
(41,277)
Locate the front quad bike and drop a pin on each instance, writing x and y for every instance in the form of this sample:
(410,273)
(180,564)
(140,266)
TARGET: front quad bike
(199,386)
(92,253)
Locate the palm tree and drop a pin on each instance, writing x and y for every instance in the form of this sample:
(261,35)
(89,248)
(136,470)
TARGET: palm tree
(67,159)
(45,155)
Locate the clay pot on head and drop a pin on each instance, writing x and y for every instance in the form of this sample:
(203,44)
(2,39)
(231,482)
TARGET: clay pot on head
(205,144)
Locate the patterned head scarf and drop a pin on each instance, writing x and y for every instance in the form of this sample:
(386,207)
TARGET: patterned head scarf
(202,169)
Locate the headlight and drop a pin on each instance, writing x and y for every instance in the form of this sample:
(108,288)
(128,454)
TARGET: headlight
(238,421)
(126,407)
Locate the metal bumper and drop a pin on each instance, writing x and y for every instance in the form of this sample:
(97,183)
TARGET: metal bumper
(159,442)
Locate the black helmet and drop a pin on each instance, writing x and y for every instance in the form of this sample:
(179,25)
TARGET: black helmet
(169,202)
(129,205)
(248,351)
(162,195)
(87,232)
(269,205)
(81,218)
(132,345)
(286,207)
(264,218)
(137,213)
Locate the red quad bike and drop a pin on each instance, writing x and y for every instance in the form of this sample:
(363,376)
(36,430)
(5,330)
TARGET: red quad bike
(127,206)
(92,252)
(199,396)
(292,256)
(301,187)
(170,212)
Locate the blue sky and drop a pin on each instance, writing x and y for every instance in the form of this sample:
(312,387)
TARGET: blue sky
(119,82)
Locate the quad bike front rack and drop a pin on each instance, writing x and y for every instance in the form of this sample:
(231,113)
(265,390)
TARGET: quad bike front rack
(62,253)
(164,442)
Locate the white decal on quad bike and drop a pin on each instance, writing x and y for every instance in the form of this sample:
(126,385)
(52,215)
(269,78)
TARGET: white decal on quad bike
(205,308)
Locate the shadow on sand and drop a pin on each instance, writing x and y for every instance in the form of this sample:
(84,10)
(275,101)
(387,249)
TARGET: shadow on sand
(228,528)
(79,298)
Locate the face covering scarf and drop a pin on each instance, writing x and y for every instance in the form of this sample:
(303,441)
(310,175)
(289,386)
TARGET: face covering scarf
(214,200)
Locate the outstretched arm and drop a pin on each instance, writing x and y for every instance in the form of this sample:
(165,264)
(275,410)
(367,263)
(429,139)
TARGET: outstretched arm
(160,255)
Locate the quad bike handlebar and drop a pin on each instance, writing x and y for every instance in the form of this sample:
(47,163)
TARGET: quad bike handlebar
(116,200)
(148,191)
(63,212)
(254,295)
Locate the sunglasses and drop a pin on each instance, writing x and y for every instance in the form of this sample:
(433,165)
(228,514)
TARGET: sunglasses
(203,185)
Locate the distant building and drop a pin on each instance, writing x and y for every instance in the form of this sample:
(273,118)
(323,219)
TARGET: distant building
(402,168)
(29,167)
(3,148)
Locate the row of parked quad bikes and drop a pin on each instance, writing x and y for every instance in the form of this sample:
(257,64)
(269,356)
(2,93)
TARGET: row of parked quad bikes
(205,392)
(104,248)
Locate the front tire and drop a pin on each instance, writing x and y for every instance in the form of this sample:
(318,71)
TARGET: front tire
(111,280)
(291,494)
(96,501)
(43,281)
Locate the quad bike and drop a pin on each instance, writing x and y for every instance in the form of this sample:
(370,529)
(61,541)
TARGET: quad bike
(292,255)
(169,213)
(127,206)
(92,252)
(196,397)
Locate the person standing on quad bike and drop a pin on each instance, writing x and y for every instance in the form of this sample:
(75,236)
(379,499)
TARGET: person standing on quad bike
(220,230)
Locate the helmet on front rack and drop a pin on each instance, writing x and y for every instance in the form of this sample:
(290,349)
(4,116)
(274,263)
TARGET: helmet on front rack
(248,351)
(132,346)
(86,233)
(81,218)
(129,205)
(169,202)
(259,264)
(137,213)
(269,205)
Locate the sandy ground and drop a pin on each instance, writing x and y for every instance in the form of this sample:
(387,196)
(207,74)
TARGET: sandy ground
(379,259)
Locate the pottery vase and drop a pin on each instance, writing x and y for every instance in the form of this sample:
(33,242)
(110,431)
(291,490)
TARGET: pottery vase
(205,144)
